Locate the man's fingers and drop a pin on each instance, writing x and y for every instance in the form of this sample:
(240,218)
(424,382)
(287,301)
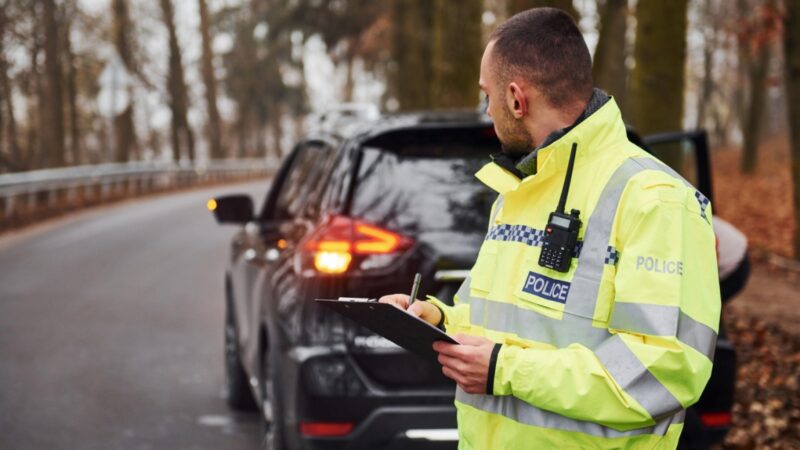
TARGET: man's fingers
(452,363)
(453,375)
(448,349)
(399,300)
(468,339)
(417,309)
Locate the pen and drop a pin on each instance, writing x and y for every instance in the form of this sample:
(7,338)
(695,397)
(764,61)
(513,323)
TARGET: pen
(415,289)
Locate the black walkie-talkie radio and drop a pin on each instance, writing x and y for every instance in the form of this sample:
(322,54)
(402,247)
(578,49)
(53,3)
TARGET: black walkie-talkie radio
(561,234)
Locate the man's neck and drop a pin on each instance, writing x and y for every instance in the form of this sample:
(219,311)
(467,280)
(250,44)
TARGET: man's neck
(559,120)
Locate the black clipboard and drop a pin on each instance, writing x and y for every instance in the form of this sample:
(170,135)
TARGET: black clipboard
(391,322)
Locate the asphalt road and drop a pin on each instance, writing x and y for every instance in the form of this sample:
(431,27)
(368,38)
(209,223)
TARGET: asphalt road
(111,325)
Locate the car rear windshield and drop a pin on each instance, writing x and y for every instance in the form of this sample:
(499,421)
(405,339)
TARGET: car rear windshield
(422,184)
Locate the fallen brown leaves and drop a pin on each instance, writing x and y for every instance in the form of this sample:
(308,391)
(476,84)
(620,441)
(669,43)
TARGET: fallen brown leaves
(759,204)
(762,323)
(766,414)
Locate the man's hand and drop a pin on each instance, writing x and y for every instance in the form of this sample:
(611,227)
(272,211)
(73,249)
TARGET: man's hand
(424,310)
(468,363)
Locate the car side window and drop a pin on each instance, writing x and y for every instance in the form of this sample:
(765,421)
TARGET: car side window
(336,190)
(301,193)
(292,193)
(319,182)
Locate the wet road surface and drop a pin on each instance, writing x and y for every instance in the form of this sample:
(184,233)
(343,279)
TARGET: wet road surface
(111,326)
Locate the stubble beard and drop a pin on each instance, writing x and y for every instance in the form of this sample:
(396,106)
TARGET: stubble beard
(515,141)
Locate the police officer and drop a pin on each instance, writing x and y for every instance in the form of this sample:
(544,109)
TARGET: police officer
(609,350)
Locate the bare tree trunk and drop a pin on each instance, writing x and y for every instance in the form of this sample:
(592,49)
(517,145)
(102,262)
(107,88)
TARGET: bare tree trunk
(6,120)
(53,133)
(791,45)
(276,129)
(349,84)
(37,150)
(181,132)
(707,83)
(242,129)
(609,70)
(210,81)
(125,141)
(412,38)
(755,113)
(710,32)
(72,99)
(456,54)
(657,81)
(515,6)
(10,117)
(754,52)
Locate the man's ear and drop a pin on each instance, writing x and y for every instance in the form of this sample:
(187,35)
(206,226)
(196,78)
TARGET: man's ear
(517,101)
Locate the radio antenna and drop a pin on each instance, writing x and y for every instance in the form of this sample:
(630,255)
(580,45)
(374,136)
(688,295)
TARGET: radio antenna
(562,203)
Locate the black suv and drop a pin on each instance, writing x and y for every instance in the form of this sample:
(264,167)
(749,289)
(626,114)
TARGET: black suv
(356,210)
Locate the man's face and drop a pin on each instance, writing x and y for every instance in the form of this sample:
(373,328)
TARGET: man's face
(515,140)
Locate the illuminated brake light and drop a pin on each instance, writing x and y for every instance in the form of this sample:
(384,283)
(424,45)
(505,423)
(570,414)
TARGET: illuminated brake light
(333,246)
(325,429)
(332,262)
(716,419)
(381,241)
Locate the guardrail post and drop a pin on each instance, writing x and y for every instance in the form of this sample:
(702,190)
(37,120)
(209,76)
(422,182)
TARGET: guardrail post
(52,198)
(31,200)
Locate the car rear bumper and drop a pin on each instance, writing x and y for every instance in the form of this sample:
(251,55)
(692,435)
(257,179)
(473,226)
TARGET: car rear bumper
(382,416)
(398,427)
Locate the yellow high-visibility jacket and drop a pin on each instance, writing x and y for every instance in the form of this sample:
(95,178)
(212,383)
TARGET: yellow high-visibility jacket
(609,354)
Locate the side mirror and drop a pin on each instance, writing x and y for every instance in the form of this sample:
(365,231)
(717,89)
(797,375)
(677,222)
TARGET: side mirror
(237,208)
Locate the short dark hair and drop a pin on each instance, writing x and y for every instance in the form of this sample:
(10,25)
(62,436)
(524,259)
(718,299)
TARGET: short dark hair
(545,47)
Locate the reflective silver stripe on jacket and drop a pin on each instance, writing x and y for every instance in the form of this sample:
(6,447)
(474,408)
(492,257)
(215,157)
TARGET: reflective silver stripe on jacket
(661,320)
(523,412)
(582,296)
(528,324)
(656,320)
(634,378)
(497,205)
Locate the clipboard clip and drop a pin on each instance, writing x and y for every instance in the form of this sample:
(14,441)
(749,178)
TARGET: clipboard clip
(358,299)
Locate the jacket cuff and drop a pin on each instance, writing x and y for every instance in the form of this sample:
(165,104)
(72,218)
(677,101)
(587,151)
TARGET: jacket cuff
(504,365)
(492,369)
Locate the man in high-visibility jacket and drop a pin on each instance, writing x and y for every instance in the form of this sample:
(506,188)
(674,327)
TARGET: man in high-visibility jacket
(609,353)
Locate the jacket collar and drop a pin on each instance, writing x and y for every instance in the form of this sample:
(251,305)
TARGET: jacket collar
(528,163)
(593,135)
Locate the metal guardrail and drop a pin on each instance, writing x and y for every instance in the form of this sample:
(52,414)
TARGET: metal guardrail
(30,193)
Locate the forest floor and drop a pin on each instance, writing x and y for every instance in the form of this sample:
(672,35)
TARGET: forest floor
(763,322)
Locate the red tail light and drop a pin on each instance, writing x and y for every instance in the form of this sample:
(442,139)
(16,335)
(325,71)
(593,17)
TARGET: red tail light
(333,246)
(325,429)
(716,419)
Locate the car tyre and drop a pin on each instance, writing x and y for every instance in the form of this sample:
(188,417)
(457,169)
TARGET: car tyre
(270,408)
(239,396)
